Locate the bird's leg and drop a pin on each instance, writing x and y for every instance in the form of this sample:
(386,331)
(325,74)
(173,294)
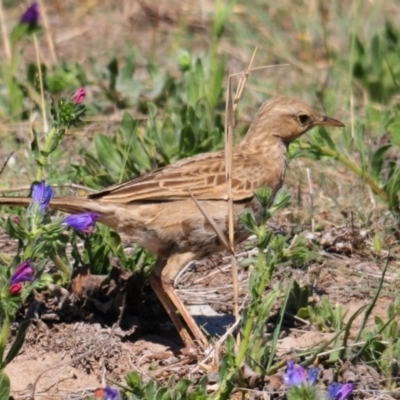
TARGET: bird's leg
(166,273)
(175,263)
(157,286)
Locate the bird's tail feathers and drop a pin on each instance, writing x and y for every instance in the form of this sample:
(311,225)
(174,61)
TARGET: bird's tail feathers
(71,205)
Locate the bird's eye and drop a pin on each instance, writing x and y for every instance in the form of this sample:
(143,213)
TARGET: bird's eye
(303,119)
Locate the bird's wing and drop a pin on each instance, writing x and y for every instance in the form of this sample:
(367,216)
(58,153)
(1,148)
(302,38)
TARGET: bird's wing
(203,176)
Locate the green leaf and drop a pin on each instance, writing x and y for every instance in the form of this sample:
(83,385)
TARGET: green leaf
(200,391)
(392,73)
(162,394)
(303,313)
(359,140)
(278,326)
(393,189)
(135,152)
(54,143)
(113,70)
(4,386)
(128,70)
(327,139)
(181,388)
(377,162)
(187,141)
(108,155)
(375,48)
(394,129)
(34,143)
(359,48)
(153,129)
(17,344)
(133,380)
(216,81)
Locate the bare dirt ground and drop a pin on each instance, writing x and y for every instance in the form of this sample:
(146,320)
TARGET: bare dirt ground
(75,346)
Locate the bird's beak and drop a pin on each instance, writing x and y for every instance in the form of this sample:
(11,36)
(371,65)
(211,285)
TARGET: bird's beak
(328,121)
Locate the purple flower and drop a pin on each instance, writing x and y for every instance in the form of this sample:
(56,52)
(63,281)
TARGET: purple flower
(42,195)
(23,273)
(31,15)
(312,375)
(107,394)
(296,375)
(340,391)
(79,95)
(83,222)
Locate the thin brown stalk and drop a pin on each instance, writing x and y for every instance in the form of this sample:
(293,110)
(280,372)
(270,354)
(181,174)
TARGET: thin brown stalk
(211,221)
(243,78)
(49,36)
(6,162)
(229,126)
(310,188)
(4,34)
(259,68)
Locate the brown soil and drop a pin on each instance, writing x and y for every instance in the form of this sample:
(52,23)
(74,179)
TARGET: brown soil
(75,346)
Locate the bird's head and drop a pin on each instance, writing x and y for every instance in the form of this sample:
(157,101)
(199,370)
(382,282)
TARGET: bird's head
(286,118)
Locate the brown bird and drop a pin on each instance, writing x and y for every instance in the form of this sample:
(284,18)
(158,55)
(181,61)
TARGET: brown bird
(158,212)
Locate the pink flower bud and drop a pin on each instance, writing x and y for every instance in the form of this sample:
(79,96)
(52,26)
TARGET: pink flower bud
(16,288)
(79,95)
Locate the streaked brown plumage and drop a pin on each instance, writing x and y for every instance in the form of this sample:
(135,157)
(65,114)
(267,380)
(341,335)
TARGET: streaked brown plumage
(158,212)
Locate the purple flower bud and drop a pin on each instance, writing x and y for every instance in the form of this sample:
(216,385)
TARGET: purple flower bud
(31,15)
(345,391)
(339,391)
(79,95)
(107,394)
(16,219)
(312,375)
(83,222)
(295,374)
(23,273)
(42,195)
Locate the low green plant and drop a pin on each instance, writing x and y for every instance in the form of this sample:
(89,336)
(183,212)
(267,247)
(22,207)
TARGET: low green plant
(376,66)
(327,317)
(255,350)
(183,389)
(382,176)
(189,124)
(40,239)
(375,69)
(380,344)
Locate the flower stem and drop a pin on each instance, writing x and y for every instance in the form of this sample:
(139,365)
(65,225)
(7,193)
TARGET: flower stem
(43,156)
(61,265)
(355,168)
(5,330)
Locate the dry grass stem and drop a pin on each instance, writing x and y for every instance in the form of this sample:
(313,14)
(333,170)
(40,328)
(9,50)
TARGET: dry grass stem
(4,34)
(49,35)
(6,161)
(229,126)
(310,189)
